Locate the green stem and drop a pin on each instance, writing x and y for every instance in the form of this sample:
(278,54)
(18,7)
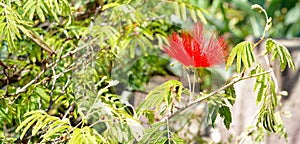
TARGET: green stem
(190,85)
(194,83)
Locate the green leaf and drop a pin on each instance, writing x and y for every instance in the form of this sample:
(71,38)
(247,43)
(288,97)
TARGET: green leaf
(27,7)
(177,140)
(28,122)
(177,10)
(38,125)
(243,52)
(57,123)
(261,83)
(40,14)
(146,42)
(149,132)
(48,120)
(57,7)
(231,58)
(201,16)
(273,95)
(183,11)
(42,93)
(261,92)
(141,45)
(267,119)
(149,114)
(2,26)
(170,89)
(212,113)
(36,112)
(76,137)
(230,94)
(148,34)
(109,5)
(31,12)
(18,2)
(225,113)
(58,129)
(42,6)
(25,122)
(193,14)
(278,50)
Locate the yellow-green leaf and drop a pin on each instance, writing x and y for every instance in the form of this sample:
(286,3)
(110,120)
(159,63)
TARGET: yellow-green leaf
(201,16)
(243,52)
(42,93)
(177,10)
(278,50)
(193,14)
(183,11)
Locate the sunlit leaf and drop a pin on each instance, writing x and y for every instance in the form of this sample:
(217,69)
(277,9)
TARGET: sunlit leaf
(278,50)
(42,93)
(183,11)
(243,52)
(170,89)
(193,14)
(177,9)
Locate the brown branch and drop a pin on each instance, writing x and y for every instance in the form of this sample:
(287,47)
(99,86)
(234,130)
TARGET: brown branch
(35,38)
(3,65)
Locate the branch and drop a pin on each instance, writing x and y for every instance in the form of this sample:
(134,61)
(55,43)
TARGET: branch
(35,38)
(23,89)
(197,101)
(269,64)
(62,93)
(3,65)
(267,25)
(20,90)
(52,89)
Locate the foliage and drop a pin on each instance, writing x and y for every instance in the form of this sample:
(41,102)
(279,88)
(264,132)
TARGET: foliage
(243,53)
(165,94)
(65,66)
(278,50)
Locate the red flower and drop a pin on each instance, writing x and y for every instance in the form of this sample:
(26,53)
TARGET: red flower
(194,49)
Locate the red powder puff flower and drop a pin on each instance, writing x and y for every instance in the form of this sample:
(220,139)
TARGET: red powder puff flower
(195,49)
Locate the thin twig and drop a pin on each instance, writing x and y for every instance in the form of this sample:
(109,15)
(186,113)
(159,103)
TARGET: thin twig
(98,121)
(194,81)
(3,65)
(190,86)
(23,89)
(168,129)
(63,90)
(267,59)
(71,108)
(52,89)
(53,86)
(217,91)
(36,39)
